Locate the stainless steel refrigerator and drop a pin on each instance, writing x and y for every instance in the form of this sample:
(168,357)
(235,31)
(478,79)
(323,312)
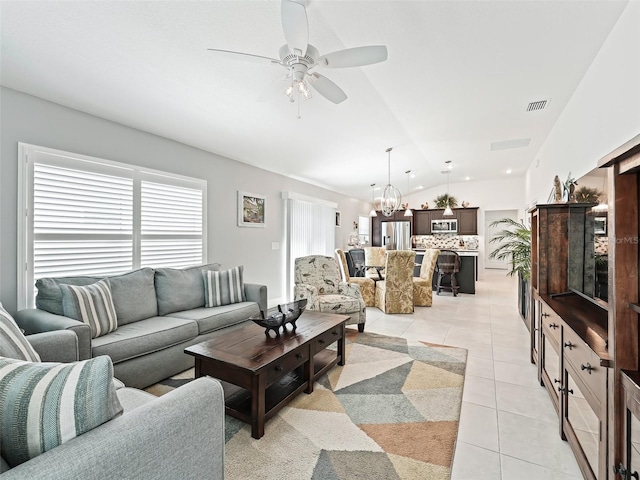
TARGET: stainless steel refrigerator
(396,235)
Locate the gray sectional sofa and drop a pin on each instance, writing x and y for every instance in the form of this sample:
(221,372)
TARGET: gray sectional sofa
(179,435)
(159,313)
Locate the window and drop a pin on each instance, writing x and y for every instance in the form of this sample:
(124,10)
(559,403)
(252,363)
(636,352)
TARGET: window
(364,223)
(87,216)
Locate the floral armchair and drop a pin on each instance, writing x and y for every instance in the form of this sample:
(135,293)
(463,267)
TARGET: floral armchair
(394,294)
(367,285)
(317,278)
(423,285)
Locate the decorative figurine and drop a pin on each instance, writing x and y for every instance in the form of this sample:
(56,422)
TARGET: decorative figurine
(557,190)
(292,312)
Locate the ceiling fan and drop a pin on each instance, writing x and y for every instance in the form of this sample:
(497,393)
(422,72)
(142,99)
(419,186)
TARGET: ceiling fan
(299,57)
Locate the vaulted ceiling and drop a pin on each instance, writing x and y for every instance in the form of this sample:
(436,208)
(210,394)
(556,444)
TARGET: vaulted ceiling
(459,78)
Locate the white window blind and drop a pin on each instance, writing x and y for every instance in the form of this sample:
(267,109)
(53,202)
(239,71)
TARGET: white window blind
(88,216)
(82,222)
(171,225)
(310,231)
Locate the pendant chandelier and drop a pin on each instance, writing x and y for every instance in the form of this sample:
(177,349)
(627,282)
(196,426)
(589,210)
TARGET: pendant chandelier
(391,197)
(373,213)
(447,211)
(408,212)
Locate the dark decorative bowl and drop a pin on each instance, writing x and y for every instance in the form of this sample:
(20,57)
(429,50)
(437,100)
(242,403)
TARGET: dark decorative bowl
(272,322)
(292,312)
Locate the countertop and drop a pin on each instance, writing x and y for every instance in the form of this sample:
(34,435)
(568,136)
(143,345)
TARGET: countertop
(463,252)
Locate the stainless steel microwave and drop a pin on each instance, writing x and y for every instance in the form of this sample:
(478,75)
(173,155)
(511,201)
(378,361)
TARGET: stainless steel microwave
(444,226)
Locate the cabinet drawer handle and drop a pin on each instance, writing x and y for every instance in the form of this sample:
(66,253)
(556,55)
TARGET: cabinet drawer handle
(278,368)
(556,380)
(298,356)
(565,390)
(569,345)
(586,367)
(334,332)
(321,342)
(553,325)
(545,315)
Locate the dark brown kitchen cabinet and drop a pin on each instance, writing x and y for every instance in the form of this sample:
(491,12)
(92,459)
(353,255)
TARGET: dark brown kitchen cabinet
(422,222)
(467,220)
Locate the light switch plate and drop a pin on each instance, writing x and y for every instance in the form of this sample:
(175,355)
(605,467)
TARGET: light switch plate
(275,245)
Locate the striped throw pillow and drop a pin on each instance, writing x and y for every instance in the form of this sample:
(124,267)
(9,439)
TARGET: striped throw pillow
(13,343)
(91,304)
(43,405)
(223,287)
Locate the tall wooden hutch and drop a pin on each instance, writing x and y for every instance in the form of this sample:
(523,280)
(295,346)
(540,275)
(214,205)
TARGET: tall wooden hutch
(586,349)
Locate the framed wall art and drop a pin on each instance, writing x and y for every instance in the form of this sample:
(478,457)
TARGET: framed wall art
(600,225)
(251,209)
(338,218)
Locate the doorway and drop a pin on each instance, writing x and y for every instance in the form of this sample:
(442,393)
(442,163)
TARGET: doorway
(491,216)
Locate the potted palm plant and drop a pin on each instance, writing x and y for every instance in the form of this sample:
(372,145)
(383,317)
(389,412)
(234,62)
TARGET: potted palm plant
(514,245)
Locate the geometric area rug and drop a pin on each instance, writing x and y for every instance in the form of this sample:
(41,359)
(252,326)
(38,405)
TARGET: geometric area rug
(391,412)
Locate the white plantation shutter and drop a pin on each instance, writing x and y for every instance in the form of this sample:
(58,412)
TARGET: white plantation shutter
(88,216)
(171,225)
(82,222)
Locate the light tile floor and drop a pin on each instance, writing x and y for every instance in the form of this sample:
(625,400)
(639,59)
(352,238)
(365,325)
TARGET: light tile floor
(508,426)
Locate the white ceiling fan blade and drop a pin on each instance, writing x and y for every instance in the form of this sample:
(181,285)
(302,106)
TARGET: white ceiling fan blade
(244,56)
(295,26)
(354,57)
(327,88)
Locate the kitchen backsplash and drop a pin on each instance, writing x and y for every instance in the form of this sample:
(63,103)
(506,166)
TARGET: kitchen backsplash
(601,245)
(445,240)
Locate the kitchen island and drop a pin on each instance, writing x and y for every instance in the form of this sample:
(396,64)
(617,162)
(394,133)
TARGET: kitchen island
(467,275)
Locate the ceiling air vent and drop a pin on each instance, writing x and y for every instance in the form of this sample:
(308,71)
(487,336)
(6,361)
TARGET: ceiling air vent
(539,105)
(515,143)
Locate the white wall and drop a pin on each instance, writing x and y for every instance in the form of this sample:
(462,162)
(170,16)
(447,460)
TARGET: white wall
(32,120)
(603,113)
(505,194)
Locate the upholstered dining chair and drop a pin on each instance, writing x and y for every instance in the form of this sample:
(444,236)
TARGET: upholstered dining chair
(423,285)
(367,285)
(394,294)
(375,257)
(447,265)
(317,278)
(355,261)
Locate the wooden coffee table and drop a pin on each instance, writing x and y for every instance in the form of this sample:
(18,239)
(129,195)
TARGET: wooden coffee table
(261,374)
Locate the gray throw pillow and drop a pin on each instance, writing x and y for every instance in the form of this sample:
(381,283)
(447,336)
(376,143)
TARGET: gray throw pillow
(13,343)
(224,287)
(181,289)
(91,304)
(43,405)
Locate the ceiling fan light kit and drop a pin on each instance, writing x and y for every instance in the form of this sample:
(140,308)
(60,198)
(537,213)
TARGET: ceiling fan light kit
(299,58)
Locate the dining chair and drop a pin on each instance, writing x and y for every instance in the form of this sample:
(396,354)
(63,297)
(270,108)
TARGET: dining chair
(447,265)
(423,285)
(367,285)
(355,260)
(394,294)
(375,257)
